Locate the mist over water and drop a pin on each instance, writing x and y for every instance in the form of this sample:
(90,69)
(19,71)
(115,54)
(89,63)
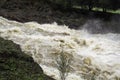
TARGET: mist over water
(93,54)
(96,26)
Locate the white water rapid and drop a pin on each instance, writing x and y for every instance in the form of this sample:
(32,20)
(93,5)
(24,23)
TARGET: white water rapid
(93,55)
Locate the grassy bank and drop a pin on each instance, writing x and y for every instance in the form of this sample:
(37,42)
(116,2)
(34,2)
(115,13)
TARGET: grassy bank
(16,65)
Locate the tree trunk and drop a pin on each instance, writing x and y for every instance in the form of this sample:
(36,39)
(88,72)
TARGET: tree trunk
(104,9)
(90,7)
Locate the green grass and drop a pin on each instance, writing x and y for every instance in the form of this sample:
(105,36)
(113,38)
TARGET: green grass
(111,11)
(100,9)
(118,11)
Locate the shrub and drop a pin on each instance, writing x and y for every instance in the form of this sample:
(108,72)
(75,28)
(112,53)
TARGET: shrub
(63,65)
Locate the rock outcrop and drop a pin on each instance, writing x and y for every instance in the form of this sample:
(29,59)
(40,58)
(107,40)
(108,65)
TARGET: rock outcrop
(15,65)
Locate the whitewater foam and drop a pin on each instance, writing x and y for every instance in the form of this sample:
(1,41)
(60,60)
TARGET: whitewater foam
(94,55)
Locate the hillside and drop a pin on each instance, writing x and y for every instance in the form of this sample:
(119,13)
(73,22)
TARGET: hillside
(16,65)
(45,12)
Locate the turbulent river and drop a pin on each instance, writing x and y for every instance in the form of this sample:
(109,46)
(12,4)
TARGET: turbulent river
(93,55)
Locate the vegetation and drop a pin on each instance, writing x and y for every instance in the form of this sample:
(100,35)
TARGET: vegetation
(15,65)
(84,4)
(48,11)
(89,4)
(63,65)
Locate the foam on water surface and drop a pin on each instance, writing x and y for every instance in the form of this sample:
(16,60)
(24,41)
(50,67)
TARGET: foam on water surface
(93,54)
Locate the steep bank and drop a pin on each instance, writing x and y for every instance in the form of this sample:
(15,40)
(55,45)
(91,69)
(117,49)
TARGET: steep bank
(43,12)
(16,65)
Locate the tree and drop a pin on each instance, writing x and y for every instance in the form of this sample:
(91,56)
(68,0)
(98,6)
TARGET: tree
(85,4)
(90,4)
(114,4)
(108,4)
(103,4)
(63,65)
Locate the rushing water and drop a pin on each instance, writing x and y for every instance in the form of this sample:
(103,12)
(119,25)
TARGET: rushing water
(95,55)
